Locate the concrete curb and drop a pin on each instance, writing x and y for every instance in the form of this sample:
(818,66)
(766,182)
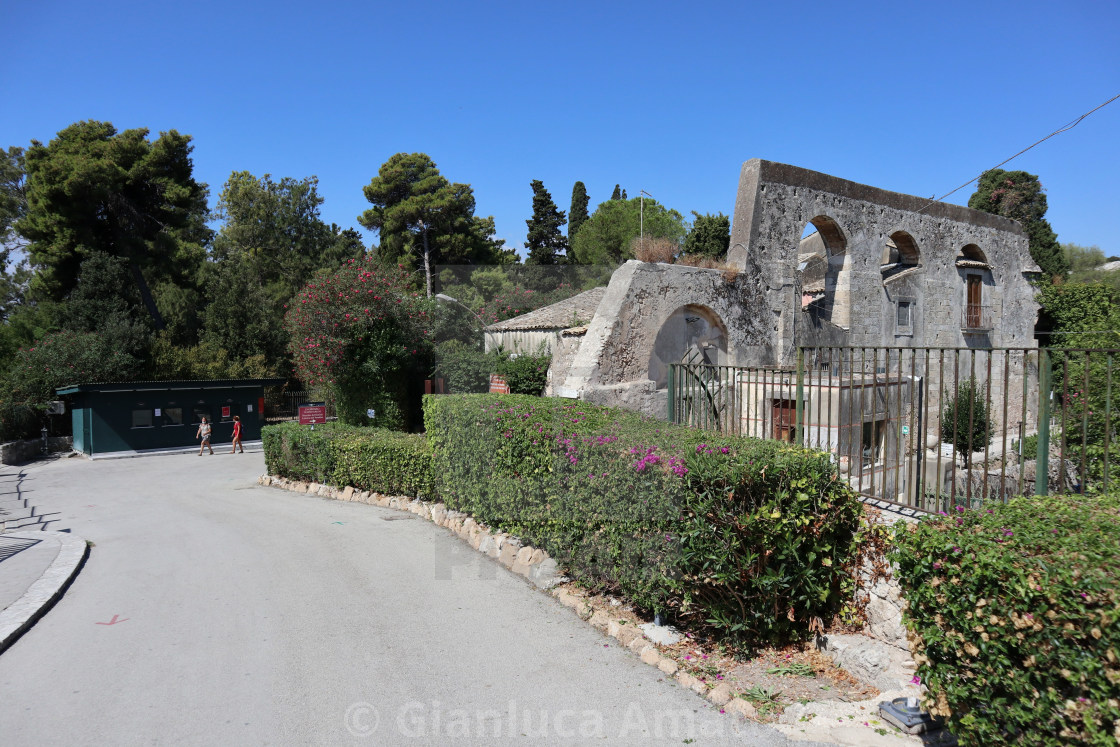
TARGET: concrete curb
(16,619)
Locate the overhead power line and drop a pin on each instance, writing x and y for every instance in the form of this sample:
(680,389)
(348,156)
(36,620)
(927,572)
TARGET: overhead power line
(1060,130)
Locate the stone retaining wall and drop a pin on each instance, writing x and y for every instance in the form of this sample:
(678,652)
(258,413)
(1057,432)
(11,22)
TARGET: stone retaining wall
(18,452)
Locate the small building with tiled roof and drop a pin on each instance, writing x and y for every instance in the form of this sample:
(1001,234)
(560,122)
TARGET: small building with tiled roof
(543,327)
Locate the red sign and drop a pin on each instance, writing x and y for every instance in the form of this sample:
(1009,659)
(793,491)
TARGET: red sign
(312,414)
(498,384)
(225,411)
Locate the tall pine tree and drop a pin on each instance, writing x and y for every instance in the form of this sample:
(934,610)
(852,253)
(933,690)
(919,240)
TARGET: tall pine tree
(577,214)
(545,243)
(1019,196)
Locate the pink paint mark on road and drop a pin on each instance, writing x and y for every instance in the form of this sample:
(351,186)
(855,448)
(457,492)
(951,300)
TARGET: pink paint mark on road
(114,621)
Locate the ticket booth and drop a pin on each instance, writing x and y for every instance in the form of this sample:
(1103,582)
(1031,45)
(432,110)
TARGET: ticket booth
(134,417)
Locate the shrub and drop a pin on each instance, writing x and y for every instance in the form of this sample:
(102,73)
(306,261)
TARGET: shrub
(1012,613)
(964,421)
(464,368)
(525,374)
(373,459)
(748,537)
(361,331)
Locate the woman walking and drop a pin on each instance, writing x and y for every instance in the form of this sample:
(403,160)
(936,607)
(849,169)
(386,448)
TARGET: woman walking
(237,435)
(204,434)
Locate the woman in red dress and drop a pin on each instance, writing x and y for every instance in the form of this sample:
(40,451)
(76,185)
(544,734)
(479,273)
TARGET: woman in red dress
(237,435)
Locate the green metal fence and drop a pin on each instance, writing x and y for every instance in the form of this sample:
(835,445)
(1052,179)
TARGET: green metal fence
(925,428)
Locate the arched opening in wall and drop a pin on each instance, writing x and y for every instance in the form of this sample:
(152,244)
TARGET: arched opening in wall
(975,272)
(821,259)
(970,255)
(694,333)
(900,253)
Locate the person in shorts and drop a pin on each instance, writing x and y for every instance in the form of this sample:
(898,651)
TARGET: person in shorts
(237,435)
(204,433)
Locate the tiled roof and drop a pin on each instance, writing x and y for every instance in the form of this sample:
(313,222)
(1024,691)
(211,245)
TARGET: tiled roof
(578,309)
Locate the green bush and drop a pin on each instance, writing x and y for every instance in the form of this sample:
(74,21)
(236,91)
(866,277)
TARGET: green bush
(1012,613)
(463,367)
(373,459)
(525,374)
(748,537)
(964,421)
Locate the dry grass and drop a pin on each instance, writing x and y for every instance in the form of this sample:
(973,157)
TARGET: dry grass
(654,250)
(705,262)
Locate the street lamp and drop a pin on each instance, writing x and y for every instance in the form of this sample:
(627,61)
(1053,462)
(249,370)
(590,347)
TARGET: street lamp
(445,297)
(642,194)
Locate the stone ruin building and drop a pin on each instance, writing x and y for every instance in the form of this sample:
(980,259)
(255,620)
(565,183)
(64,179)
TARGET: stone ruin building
(820,263)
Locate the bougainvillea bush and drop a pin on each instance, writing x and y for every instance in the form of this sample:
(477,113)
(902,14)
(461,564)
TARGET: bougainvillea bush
(1013,619)
(373,459)
(365,333)
(746,537)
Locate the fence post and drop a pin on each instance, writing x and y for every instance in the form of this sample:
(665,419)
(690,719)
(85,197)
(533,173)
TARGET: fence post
(1042,455)
(799,408)
(672,392)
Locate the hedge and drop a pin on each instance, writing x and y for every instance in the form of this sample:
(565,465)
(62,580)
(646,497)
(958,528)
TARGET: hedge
(372,459)
(748,537)
(1012,613)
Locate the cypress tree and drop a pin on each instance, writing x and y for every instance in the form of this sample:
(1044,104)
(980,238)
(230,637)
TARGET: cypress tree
(577,214)
(617,193)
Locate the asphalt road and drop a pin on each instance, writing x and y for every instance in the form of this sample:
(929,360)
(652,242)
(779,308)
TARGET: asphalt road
(250,615)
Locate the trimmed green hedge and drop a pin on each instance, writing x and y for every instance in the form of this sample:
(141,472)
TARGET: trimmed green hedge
(1013,615)
(748,537)
(374,459)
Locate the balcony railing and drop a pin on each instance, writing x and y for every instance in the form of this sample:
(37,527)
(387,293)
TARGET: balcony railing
(976,318)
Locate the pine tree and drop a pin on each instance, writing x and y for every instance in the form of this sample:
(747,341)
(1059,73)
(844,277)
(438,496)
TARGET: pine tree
(545,242)
(1019,196)
(577,214)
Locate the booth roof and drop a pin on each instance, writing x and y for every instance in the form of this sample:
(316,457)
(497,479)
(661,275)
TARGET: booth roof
(149,386)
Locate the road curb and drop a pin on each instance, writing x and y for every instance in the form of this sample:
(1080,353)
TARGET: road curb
(16,619)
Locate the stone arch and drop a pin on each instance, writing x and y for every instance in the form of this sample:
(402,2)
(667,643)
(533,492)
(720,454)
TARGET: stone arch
(972,253)
(831,302)
(900,253)
(690,327)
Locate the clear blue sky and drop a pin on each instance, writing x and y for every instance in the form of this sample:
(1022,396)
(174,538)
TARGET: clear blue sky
(666,97)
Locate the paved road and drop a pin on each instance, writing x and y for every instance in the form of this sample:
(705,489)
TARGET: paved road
(250,615)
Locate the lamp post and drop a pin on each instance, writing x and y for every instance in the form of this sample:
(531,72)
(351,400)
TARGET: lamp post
(481,321)
(642,194)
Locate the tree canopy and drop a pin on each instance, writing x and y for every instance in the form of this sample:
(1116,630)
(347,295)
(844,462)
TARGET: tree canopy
(13,200)
(1019,196)
(93,189)
(577,213)
(605,237)
(418,213)
(710,235)
(274,232)
(545,243)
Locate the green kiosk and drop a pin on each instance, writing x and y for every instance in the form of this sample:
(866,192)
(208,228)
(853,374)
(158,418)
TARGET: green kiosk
(134,417)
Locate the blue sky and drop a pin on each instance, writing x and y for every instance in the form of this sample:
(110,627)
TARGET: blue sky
(669,98)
